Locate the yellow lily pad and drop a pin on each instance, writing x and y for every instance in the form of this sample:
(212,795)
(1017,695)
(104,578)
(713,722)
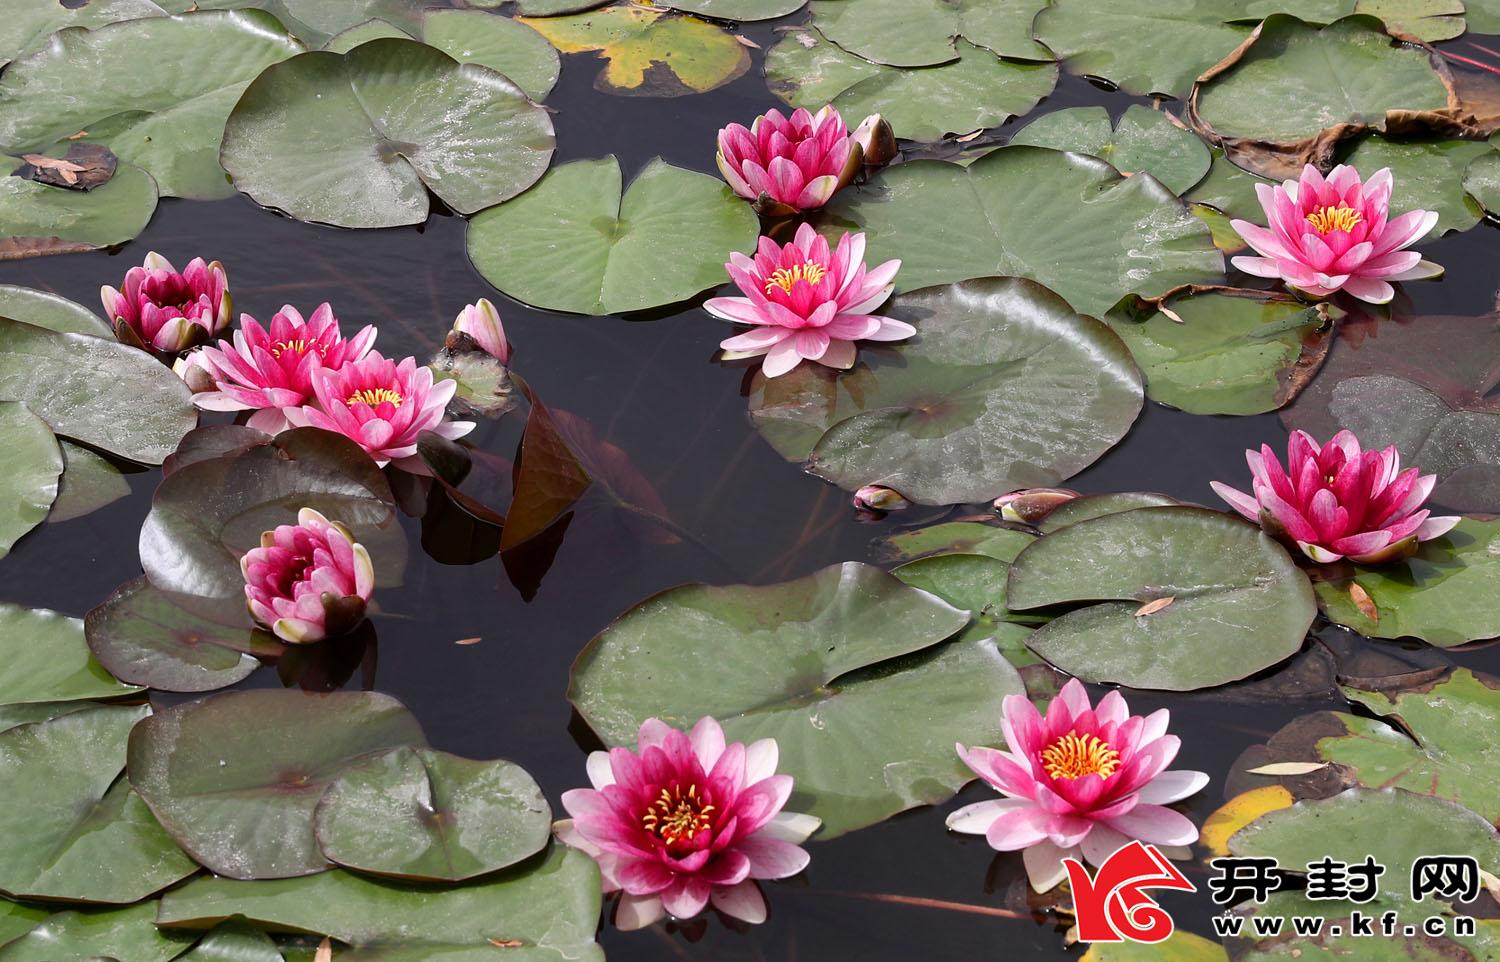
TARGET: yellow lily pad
(1238,812)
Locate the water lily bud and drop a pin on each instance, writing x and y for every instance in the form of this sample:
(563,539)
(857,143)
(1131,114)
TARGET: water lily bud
(308,581)
(160,309)
(877,140)
(194,372)
(1031,505)
(877,497)
(481,322)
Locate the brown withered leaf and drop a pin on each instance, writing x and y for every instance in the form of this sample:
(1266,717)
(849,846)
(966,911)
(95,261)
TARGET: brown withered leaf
(1152,607)
(17,248)
(507,943)
(1363,601)
(83,167)
(325,951)
(466,642)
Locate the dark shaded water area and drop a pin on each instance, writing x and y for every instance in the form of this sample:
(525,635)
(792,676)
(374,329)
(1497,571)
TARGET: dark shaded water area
(652,387)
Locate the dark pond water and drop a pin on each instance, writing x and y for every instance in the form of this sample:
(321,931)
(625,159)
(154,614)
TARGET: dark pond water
(651,386)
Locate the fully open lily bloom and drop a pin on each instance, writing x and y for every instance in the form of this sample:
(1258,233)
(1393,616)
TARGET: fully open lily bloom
(685,820)
(161,309)
(1337,501)
(1078,781)
(1328,235)
(807,302)
(383,406)
(792,164)
(269,371)
(309,580)
(481,322)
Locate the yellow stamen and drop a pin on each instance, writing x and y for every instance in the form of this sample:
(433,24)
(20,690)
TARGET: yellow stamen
(1074,756)
(1326,219)
(677,815)
(375,396)
(281,347)
(787,277)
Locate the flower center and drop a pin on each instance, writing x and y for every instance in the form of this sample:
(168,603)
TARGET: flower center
(375,396)
(1326,219)
(300,345)
(676,816)
(787,277)
(1074,756)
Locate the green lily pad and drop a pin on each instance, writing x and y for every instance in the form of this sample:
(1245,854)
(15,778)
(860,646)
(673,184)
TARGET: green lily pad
(576,243)
(41,219)
(421,814)
(1240,604)
(977,584)
(1427,175)
(168,122)
(1229,189)
(938,424)
(843,668)
(1483,16)
(358,139)
(235,941)
(68,813)
(206,515)
(1178,947)
(30,713)
(17,919)
(1098,505)
(649,52)
(1143,141)
(144,639)
(44,658)
(921,33)
(1482,181)
(742,10)
(957,537)
(1070,222)
(1228,352)
(25,30)
(545,911)
(1443,594)
(28,476)
(101,392)
(89,935)
(805,69)
(1426,20)
(472,36)
(235,778)
(89,482)
(42,309)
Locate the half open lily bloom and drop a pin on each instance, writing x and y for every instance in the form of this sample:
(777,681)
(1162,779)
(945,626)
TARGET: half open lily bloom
(792,164)
(685,820)
(1079,781)
(1338,501)
(166,311)
(269,371)
(1332,234)
(481,322)
(807,302)
(308,581)
(382,406)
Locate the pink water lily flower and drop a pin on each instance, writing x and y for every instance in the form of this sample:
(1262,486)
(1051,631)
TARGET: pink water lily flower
(480,321)
(164,310)
(685,820)
(807,302)
(1078,781)
(269,371)
(309,580)
(1337,501)
(1328,235)
(792,164)
(383,406)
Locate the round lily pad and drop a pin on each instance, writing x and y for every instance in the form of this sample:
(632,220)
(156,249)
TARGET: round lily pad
(957,537)
(1426,175)
(921,33)
(89,482)
(737,9)
(1070,222)
(840,667)
(1482,181)
(25,29)
(29,474)
(358,139)
(976,583)
(43,309)
(421,814)
(1098,505)
(937,422)
(234,941)
(1238,603)
(98,391)
(1142,141)
(576,243)
(44,658)
(1426,20)
(89,935)
(38,219)
(1180,946)
(74,829)
(235,778)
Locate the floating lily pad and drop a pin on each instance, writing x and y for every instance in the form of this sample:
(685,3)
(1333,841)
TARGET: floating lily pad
(957,537)
(1444,594)
(1142,141)
(1425,20)
(90,935)
(921,33)
(1072,223)
(840,667)
(649,52)
(938,424)
(736,9)
(1482,181)
(89,482)
(422,814)
(1228,351)
(546,8)
(1427,175)
(1098,505)
(234,941)
(144,639)
(26,29)
(28,475)
(41,219)
(975,583)
(1239,603)
(472,36)
(358,139)
(68,813)
(44,658)
(546,911)
(235,778)
(97,391)
(42,309)
(206,515)
(30,713)
(17,919)
(807,70)
(1230,190)
(575,243)
(166,121)
(1483,16)
(1177,947)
